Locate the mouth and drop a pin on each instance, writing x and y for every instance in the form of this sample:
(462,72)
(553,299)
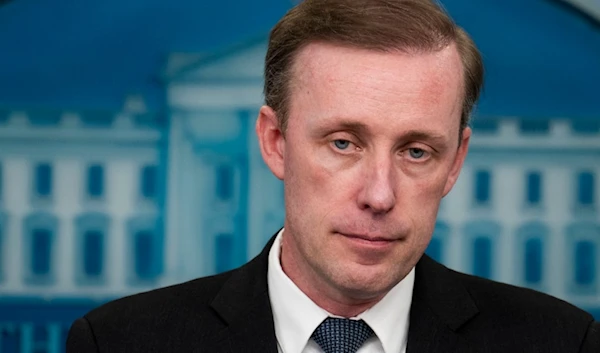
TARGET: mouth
(369,240)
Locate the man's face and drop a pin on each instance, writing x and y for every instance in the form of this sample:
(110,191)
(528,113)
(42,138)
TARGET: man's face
(371,147)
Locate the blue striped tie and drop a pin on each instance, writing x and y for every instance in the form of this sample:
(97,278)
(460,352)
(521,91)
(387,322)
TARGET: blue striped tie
(336,335)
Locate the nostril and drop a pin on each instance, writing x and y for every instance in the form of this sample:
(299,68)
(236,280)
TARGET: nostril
(378,201)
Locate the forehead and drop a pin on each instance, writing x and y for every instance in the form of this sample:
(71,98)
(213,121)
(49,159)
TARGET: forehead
(351,80)
(326,60)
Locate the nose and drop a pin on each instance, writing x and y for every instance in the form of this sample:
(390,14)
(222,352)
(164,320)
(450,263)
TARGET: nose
(378,192)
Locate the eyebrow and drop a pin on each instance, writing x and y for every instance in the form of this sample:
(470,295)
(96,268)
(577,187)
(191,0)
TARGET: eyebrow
(346,125)
(362,129)
(424,135)
(352,126)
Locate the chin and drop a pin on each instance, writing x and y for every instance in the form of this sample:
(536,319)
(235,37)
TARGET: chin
(366,291)
(369,283)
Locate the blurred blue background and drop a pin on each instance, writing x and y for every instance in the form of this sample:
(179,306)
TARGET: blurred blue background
(128,159)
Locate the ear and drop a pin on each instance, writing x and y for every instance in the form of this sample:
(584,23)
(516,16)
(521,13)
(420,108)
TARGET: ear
(271,140)
(459,159)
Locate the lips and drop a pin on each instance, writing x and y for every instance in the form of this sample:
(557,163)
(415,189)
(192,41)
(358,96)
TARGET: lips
(368,238)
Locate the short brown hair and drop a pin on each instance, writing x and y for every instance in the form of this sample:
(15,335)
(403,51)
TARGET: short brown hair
(382,25)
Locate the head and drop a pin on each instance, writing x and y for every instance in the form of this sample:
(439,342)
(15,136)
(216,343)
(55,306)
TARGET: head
(380,25)
(366,115)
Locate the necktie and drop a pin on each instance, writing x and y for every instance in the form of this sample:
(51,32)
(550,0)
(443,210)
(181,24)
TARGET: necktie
(336,335)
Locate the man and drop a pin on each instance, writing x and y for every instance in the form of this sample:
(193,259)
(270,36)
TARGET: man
(367,106)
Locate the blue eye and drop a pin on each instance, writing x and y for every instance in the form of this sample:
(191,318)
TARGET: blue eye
(416,153)
(341,144)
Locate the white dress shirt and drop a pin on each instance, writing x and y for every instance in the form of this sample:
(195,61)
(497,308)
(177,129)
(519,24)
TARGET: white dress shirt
(296,316)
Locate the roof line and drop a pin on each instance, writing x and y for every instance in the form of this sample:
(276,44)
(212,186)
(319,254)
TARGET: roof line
(218,55)
(569,6)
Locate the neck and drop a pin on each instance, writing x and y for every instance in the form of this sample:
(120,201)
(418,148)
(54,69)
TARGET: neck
(324,294)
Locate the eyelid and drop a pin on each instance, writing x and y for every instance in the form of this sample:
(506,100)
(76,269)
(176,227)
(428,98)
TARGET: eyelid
(353,142)
(420,146)
(345,136)
(351,145)
(427,153)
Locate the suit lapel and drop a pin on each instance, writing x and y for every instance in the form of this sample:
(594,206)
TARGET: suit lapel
(440,307)
(243,303)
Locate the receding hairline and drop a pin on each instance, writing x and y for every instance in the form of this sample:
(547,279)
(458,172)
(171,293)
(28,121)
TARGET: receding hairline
(381,25)
(295,78)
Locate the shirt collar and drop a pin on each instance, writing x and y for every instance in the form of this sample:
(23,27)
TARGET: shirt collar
(390,316)
(296,316)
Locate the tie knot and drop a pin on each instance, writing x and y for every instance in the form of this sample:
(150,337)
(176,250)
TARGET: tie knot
(336,335)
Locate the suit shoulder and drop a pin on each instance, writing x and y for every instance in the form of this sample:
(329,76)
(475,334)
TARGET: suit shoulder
(517,319)
(177,298)
(520,306)
(501,317)
(165,309)
(156,320)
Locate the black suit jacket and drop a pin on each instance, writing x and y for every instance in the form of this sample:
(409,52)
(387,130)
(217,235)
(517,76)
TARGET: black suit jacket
(231,312)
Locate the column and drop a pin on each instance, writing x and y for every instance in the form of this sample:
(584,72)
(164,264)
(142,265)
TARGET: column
(17,195)
(67,200)
(558,193)
(122,191)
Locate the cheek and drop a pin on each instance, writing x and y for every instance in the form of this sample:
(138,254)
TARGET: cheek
(427,187)
(306,183)
(320,174)
(420,198)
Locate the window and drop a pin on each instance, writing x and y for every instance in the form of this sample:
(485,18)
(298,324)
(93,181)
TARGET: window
(224,182)
(482,187)
(533,260)
(585,189)
(145,246)
(224,252)
(585,262)
(40,230)
(530,126)
(584,239)
(93,249)
(534,188)
(148,181)
(95,181)
(532,236)
(41,251)
(144,251)
(482,257)
(90,257)
(481,236)
(43,180)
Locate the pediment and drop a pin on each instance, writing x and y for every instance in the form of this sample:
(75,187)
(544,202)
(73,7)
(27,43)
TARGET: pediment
(244,62)
(590,7)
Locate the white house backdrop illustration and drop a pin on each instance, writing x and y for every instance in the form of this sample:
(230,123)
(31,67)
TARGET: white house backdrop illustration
(96,204)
